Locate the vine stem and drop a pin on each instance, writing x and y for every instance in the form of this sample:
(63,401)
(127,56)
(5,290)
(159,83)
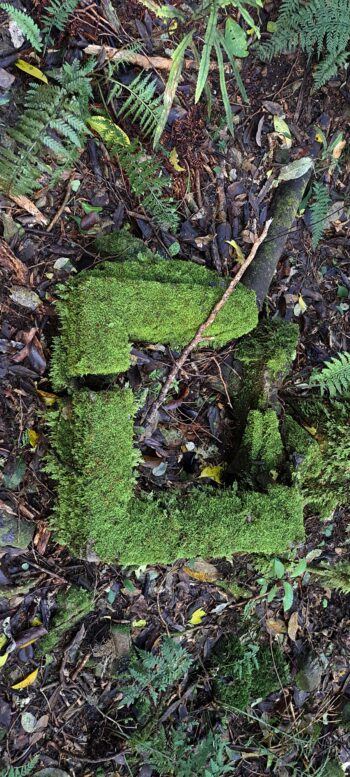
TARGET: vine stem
(152,412)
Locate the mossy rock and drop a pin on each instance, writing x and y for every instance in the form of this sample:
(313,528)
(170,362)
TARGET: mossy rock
(262,441)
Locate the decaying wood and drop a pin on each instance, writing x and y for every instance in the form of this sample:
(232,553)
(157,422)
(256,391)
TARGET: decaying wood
(200,334)
(10,262)
(147,63)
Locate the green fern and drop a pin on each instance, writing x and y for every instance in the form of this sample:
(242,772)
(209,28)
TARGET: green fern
(26,24)
(320,27)
(56,15)
(319,211)
(52,125)
(146,179)
(153,674)
(20,771)
(142,106)
(336,577)
(335,376)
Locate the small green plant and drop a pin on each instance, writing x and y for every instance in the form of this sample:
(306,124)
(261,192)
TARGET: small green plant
(319,208)
(53,125)
(142,104)
(173,753)
(335,576)
(20,771)
(56,16)
(26,24)
(155,673)
(146,178)
(72,606)
(320,27)
(334,377)
(232,43)
(278,581)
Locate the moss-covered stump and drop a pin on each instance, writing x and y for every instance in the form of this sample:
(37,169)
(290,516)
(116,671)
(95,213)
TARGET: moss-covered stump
(145,299)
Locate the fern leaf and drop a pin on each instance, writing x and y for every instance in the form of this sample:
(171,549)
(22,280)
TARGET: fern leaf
(26,24)
(57,15)
(319,211)
(336,577)
(142,105)
(172,84)
(20,771)
(335,376)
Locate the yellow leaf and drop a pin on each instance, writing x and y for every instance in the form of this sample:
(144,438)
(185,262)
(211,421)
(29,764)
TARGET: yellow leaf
(172,26)
(302,304)
(3,659)
(214,473)
(281,127)
(29,680)
(3,641)
(139,624)
(31,70)
(197,617)
(33,437)
(48,398)
(110,133)
(312,430)
(238,251)
(174,161)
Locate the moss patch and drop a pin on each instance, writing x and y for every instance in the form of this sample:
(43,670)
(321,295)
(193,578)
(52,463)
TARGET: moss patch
(244,673)
(262,443)
(153,300)
(72,606)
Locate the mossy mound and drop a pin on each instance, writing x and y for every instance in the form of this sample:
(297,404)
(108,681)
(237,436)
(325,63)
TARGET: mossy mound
(94,467)
(262,441)
(245,673)
(93,462)
(146,299)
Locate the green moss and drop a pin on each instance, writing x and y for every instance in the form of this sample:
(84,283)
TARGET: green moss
(262,440)
(93,463)
(266,356)
(72,606)
(323,474)
(245,673)
(103,312)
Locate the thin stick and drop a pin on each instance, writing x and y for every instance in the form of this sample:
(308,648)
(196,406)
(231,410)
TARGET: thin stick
(153,411)
(64,203)
(147,63)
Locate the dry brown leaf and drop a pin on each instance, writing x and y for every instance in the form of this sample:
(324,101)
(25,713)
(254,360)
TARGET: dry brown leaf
(26,204)
(202,570)
(293,626)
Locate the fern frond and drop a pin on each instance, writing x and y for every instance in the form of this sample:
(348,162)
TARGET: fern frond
(57,15)
(20,771)
(26,24)
(54,120)
(335,376)
(142,105)
(319,211)
(320,27)
(336,577)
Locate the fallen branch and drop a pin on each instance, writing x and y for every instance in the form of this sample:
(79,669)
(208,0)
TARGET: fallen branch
(147,63)
(152,413)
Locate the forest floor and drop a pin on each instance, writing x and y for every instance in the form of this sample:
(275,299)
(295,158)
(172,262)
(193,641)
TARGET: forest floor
(67,712)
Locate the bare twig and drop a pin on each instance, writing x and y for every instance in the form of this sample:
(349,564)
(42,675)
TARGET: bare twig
(153,411)
(147,63)
(67,195)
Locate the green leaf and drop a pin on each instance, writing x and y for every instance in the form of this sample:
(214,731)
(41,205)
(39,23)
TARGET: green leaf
(235,39)
(272,593)
(223,87)
(295,169)
(87,208)
(299,569)
(278,568)
(288,596)
(209,40)
(236,72)
(14,478)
